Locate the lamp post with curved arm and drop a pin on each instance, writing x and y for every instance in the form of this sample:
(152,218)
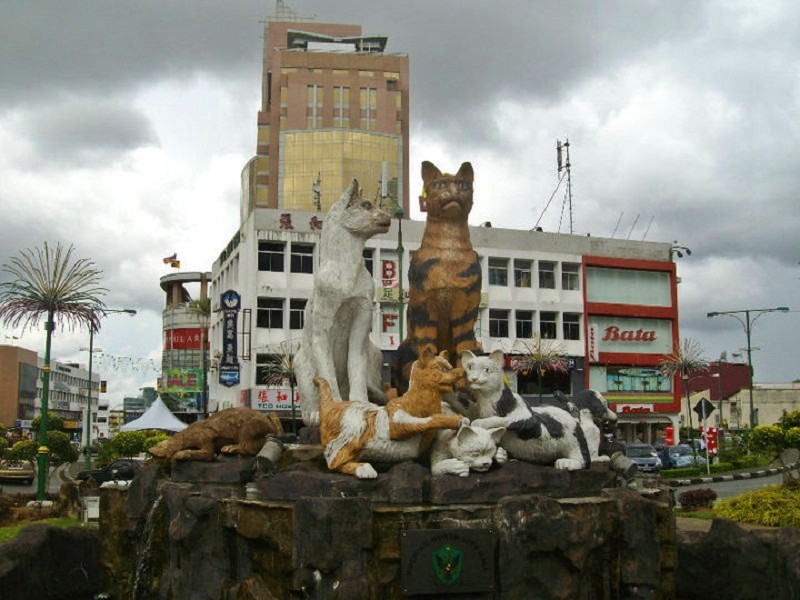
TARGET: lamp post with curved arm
(747,322)
(87,458)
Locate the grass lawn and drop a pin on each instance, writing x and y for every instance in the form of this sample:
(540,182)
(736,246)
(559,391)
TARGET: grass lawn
(10,532)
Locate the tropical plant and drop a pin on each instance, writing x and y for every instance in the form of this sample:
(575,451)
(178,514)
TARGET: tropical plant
(49,284)
(61,450)
(281,369)
(24,450)
(539,356)
(128,443)
(54,422)
(688,357)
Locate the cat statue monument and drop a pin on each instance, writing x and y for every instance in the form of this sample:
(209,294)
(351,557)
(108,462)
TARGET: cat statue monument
(335,343)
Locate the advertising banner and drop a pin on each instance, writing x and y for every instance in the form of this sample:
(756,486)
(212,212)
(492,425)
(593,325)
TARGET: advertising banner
(182,339)
(179,381)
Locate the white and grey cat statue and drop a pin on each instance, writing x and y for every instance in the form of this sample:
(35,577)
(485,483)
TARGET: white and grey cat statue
(556,433)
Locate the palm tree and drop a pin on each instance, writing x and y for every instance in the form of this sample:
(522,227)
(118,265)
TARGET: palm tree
(282,369)
(47,283)
(541,355)
(687,358)
(200,310)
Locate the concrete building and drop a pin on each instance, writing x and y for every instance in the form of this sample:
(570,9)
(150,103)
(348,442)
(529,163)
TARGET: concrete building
(18,385)
(770,401)
(334,106)
(185,352)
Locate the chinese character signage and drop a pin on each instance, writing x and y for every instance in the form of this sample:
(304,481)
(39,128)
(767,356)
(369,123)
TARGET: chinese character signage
(274,399)
(230,303)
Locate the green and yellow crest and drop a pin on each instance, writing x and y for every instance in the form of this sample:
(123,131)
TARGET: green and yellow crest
(447,563)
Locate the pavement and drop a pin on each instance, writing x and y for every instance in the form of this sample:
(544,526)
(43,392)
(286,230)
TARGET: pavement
(732,476)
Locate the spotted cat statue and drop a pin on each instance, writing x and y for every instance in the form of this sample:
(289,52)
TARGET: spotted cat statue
(560,433)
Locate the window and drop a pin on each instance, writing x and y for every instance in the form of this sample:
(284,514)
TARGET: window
(498,323)
(270,256)
(314,107)
(547,275)
(570,273)
(369,108)
(572,326)
(498,271)
(302,258)
(297,311)
(270,313)
(522,273)
(341,107)
(524,323)
(552,381)
(368,260)
(547,325)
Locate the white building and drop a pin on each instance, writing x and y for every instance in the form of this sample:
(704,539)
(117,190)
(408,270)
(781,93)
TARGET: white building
(533,281)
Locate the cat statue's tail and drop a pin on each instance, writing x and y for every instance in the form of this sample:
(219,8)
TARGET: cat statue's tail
(325,396)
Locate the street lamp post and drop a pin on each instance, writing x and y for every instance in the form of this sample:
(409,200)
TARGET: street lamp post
(747,323)
(87,460)
(399,215)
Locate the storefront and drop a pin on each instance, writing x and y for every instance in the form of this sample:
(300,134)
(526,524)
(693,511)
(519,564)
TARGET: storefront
(631,323)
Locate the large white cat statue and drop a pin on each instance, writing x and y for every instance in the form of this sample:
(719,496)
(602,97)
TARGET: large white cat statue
(338,317)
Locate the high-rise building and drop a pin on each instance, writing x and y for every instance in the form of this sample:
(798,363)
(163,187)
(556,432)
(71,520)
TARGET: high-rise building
(334,107)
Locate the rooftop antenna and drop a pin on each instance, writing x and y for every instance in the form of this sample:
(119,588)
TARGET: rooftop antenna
(613,233)
(646,231)
(562,153)
(635,221)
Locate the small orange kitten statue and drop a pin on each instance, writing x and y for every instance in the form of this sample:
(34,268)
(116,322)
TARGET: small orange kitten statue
(355,432)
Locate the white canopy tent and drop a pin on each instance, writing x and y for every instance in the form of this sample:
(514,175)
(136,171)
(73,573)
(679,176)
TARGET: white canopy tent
(158,416)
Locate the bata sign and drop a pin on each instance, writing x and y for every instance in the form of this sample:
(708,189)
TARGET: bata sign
(615,334)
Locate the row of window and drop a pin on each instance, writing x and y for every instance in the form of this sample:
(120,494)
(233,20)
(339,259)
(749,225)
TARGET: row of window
(269,314)
(368,105)
(523,273)
(524,322)
(270,258)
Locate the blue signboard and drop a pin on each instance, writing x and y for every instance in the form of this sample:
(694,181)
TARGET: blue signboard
(230,303)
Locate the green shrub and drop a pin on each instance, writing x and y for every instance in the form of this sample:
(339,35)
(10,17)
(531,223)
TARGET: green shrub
(54,422)
(681,473)
(774,506)
(3,445)
(746,462)
(767,439)
(790,420)
(792,437)
(61,451)
(154,439)
(722,467)
(694,499)
(24,450)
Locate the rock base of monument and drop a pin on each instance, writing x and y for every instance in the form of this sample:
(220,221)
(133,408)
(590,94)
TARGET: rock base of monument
(224,530)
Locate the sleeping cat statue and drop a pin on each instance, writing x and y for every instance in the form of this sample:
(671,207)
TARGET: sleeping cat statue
(468,449)
(336,344)
(560,434)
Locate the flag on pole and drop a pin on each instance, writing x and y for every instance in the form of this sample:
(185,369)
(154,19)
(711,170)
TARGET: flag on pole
(175,264)
(170,259)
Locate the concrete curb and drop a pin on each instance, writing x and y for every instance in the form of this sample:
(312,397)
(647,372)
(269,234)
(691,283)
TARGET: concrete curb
(731,477)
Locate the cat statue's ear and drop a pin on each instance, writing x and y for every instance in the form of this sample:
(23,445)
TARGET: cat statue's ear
(497,357)
(429,171)
(465,434)
(466,358)
(353,192)
(465,172)
(497,434)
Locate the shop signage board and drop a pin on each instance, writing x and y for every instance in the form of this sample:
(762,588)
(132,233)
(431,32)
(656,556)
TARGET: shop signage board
(230,303)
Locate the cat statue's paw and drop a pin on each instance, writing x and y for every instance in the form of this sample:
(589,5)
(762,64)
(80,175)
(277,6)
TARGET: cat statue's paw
(501,456)
(602,458)
(568,464)
(451,466)
(366,471)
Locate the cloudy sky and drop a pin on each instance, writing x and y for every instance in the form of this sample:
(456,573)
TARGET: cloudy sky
(124,127)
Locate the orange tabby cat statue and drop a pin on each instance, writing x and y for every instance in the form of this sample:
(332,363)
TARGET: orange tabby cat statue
(444,276)
(355,432)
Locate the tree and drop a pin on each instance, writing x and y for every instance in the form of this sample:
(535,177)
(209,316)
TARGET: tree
(281,369)
(48,284)
(539,356)
(687,358)
(128,443)
(54,422)
(24,450)
(61,450)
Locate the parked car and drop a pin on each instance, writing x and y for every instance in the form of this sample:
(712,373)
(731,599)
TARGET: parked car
(645,457)
(18,470)
(676,457)
(119,470)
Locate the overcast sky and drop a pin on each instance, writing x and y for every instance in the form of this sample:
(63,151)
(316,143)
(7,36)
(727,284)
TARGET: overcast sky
(124,127)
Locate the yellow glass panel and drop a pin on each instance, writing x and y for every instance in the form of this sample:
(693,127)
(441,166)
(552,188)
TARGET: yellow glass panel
(363,98)
(391,75)
(263,134)
(341,72)
(366,73)
(287,70)
(284,96)
(398,101)
(262,194)
(316,71)
(398,127)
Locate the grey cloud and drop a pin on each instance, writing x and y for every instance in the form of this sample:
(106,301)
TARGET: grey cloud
(87,131)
